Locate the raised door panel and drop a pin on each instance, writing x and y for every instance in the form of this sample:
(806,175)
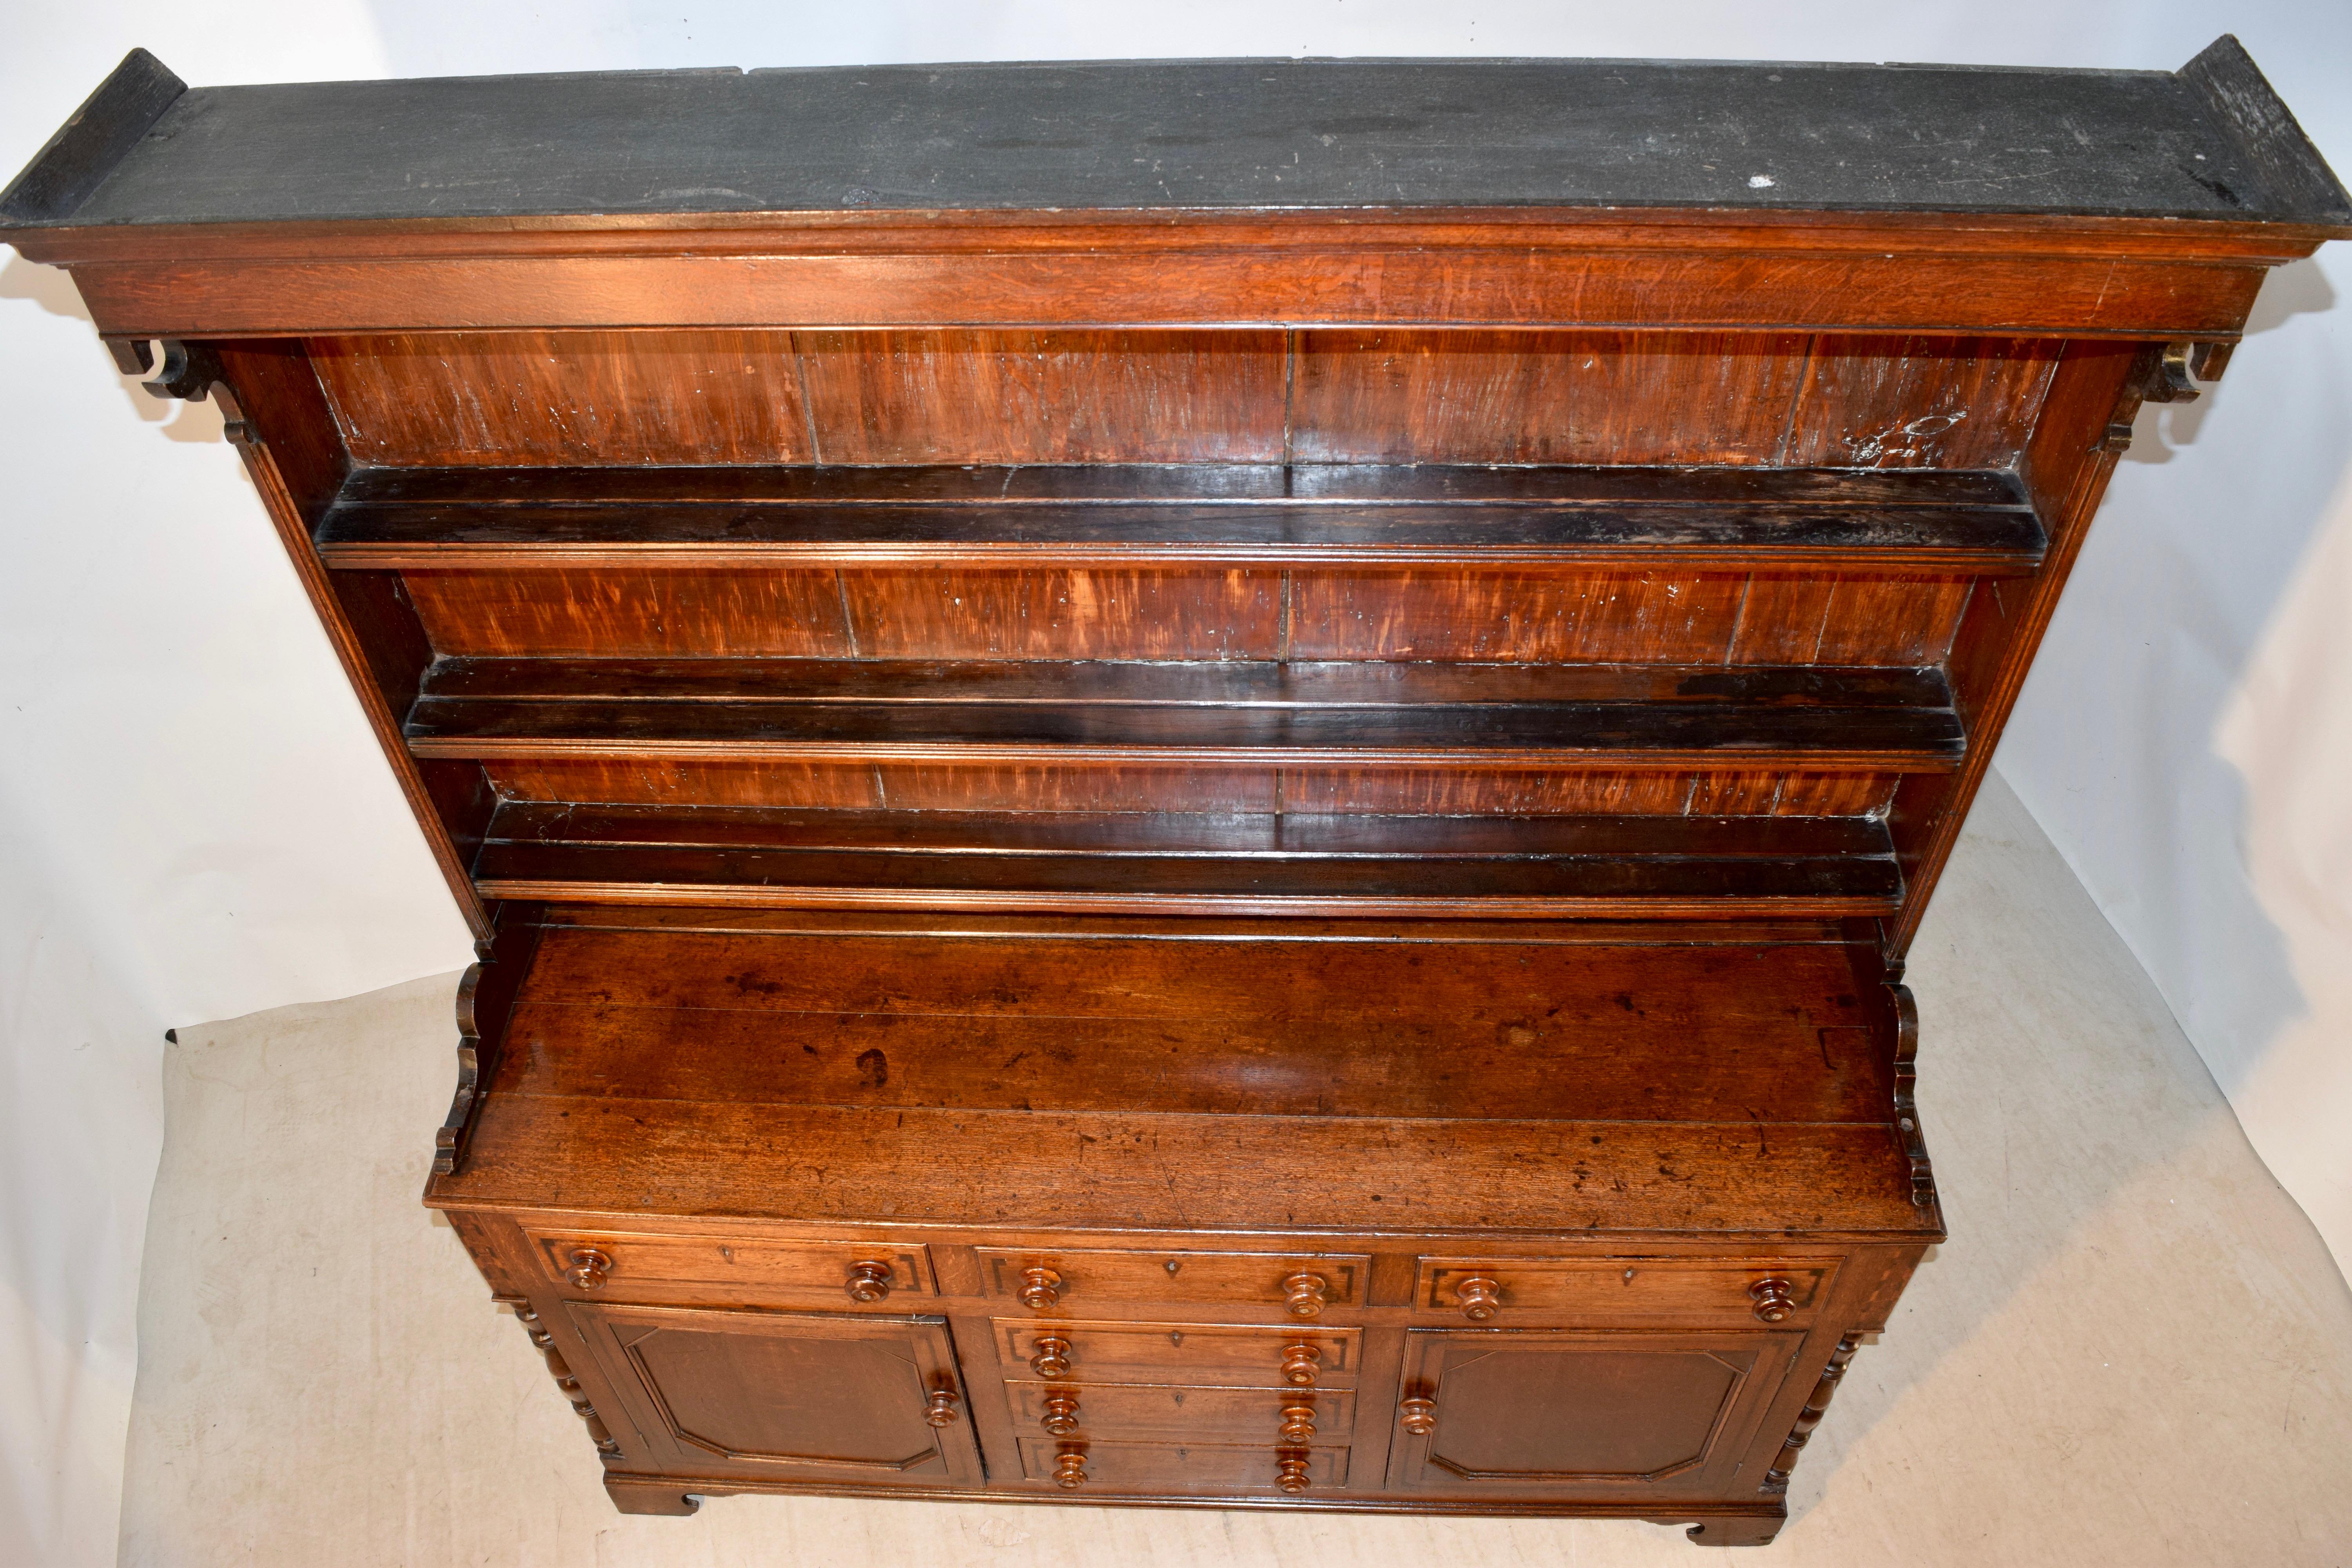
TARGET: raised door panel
(791,1395)
(1533,1412)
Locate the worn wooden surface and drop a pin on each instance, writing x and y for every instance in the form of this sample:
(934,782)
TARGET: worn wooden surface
(1683,617)
(1229,133)
(1231,397)
(613,1025)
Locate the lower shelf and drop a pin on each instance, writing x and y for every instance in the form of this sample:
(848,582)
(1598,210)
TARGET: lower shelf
(1145,863)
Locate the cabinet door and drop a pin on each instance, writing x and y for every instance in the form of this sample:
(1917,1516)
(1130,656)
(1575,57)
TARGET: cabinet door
(791,1395)
(1540,1411)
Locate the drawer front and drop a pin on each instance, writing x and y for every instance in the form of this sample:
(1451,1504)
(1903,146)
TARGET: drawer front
(1290,1417)
(1081,1467)
(1631,1292)
(642,1265)
(1196,1354)
(1301,1284)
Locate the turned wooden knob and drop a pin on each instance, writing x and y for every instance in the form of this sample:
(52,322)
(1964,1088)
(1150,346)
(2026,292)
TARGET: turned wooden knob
(1479,1298)
(590,1269)
(868,1282)
(1304,1294)
(1052,1357)
(940,1410)
(1298,1363)
(1290,1471)
(1061,1412)
(1069,1466)
(1298,1423)
(1041,1289)
(1775,1299)
(1418,1415)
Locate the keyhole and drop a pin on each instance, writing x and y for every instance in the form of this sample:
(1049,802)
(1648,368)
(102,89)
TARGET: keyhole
(1175,1336)
(1628,1276)
(1172,1266)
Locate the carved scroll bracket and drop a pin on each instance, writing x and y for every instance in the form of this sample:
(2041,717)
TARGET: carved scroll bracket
(2182,371)
(190,371)
(1907,1082)
(2167,373)
(1906,1109)
(485,998)
(608,1448)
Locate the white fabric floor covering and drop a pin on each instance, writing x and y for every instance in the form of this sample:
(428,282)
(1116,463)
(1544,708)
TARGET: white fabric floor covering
(2135,1350)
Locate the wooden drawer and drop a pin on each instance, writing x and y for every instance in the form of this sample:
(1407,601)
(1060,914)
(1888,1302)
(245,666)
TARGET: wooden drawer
(1191,1354)
(634,1264)
(1147,1411)
(1303,1284)
(1170,1468)
(1636,1291)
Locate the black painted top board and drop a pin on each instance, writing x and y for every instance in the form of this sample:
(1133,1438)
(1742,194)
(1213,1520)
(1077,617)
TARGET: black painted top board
(2210,141)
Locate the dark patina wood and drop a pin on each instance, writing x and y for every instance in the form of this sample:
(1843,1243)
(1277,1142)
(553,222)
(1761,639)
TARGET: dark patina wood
(1189,783)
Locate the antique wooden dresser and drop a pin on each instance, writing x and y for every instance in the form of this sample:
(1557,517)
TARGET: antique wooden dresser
(1189,783)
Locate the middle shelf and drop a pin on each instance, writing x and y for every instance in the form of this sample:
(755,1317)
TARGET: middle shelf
(1336,714)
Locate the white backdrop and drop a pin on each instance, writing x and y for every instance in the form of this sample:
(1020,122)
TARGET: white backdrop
(194,822)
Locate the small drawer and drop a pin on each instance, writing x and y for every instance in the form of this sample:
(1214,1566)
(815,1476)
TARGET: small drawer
(653,1267)
(1303,1284)
(1293,1417)
(1578,1293)
(1083,1467)
(1195,1354)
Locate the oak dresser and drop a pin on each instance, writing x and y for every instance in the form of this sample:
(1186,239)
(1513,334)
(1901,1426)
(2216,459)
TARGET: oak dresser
(1189,782)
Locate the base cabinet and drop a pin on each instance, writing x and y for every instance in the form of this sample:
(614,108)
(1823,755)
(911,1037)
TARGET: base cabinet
(1603,1408)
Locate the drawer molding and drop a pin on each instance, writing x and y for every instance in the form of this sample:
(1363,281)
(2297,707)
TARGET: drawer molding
(1597,1292)
(1158,1355)
(1151,1413)
(1303,1284)
(743,1270)
(1077,1466)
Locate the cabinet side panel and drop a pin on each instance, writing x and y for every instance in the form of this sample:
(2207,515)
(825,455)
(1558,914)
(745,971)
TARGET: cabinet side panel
(376,633)
(2066,466)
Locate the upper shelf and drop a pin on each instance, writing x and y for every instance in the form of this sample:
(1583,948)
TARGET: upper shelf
(2209,141)
(1975,523)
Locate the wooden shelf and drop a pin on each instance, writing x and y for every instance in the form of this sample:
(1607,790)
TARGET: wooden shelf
(1171,863)
(1889,721)
(1508,1081)
(1975,523)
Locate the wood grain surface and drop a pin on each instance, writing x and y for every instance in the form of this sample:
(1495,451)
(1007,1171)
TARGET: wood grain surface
(1236,395)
